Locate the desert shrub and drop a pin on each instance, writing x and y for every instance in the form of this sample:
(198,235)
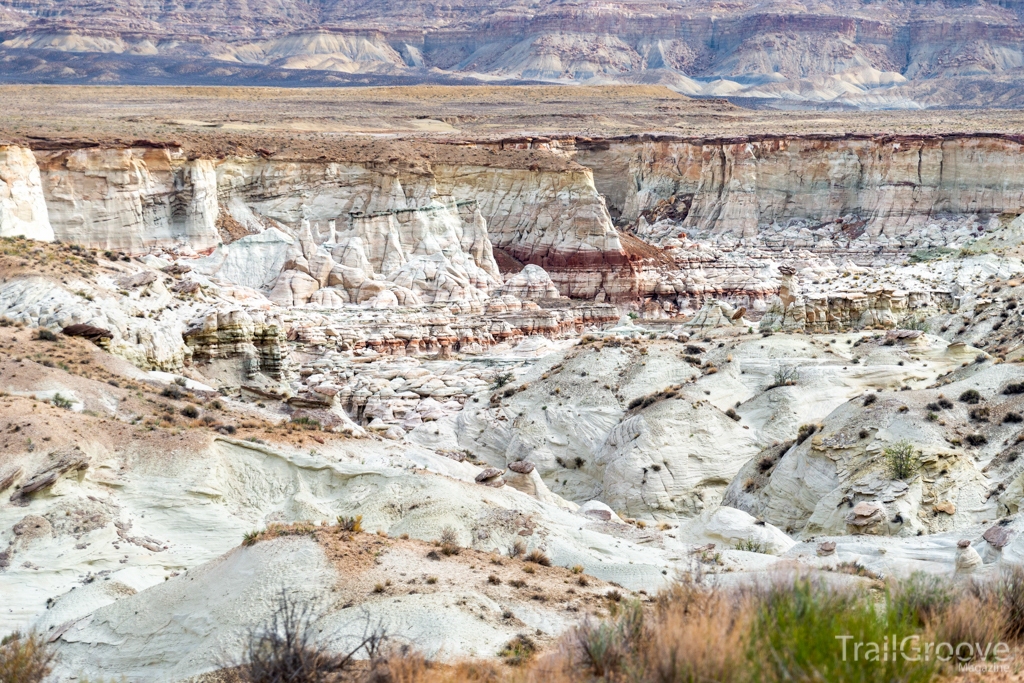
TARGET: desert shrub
(979,414)
(1014,388)
(901,460)
(45,335)
(172,391)
(607,646)
(288,647)
(351,524)
(973,618)
(502,379)
(25,658)
(976,439)
(519,650)
(971,396)
(1012,418)
(795,629)
(449,541)
(517,548)
(250,538)
(190,412)
(538,556)
(751,546)
(870,398)
(732,414)
(61,402)
(804,432)
(784,377)
(919,598)
(1009,594)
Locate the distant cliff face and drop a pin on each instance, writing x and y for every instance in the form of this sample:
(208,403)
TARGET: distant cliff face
(896,54)
(698,219)
(738,188)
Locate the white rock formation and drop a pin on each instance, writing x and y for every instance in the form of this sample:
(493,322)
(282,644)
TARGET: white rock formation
(532,282)
(130,199)
(22,206)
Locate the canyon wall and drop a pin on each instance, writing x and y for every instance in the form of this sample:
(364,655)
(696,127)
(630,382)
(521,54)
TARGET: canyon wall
(737,187)
(706,218)
(261,216)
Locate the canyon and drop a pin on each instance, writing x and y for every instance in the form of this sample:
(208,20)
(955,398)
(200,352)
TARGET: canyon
(234,321)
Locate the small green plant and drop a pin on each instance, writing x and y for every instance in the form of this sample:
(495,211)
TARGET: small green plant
(351,524)
(901,460)
(503,379)
(431,580)
(61,402)
(752,546)
(250,538)
(518,651)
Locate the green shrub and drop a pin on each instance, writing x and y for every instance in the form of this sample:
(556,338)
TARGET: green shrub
(752,546)
(518,651)
(795,637)
(901,460)
(503,379)
(919,598)
(61,402)
(971,397)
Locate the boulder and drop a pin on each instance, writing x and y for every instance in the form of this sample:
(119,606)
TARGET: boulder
(488,474)
(521,466)
(998,536)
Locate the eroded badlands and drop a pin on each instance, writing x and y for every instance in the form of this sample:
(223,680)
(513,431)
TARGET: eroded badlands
(615,351)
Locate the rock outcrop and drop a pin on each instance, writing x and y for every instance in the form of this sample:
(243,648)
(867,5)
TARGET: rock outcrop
(878,190)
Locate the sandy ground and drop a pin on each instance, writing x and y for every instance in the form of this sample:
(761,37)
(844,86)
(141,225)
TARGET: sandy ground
(361,122)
